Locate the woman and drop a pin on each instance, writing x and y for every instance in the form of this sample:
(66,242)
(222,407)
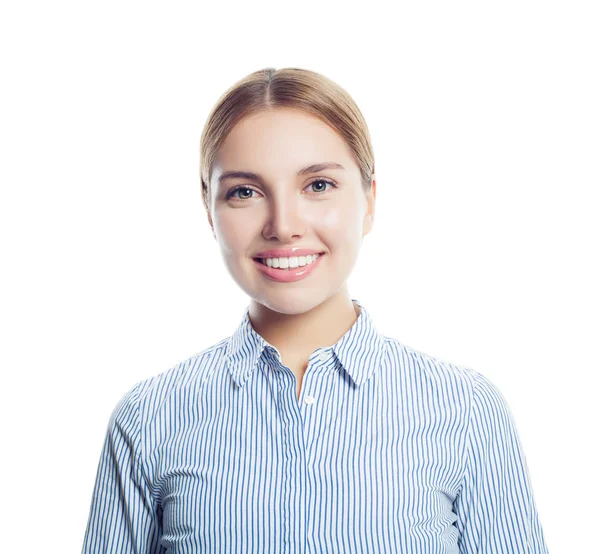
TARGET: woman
(306,430)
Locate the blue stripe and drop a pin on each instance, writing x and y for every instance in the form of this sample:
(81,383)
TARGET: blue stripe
(398,452)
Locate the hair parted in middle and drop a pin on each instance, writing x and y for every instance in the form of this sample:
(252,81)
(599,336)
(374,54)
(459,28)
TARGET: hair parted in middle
(288,87)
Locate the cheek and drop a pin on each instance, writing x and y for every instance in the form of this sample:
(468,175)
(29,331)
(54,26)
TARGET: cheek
(336,220)
(329,220)
(232,231)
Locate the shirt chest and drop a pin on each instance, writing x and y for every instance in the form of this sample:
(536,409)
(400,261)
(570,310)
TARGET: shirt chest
(337,470)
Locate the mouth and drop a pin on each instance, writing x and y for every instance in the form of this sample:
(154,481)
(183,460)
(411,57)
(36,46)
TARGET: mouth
(294,269)
(289,263)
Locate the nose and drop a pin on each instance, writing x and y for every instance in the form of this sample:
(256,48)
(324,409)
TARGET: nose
(283,218)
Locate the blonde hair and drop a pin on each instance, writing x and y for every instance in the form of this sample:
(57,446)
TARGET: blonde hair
(293,88)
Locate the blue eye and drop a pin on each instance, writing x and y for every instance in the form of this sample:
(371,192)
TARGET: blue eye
(322,181)
(236,189)
(233,192)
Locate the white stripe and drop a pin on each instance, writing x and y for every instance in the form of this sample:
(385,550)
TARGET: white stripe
(399,453)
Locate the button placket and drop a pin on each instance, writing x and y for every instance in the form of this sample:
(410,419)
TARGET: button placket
(308,398)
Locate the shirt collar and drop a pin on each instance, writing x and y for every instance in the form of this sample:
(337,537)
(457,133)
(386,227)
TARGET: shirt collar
(359,350)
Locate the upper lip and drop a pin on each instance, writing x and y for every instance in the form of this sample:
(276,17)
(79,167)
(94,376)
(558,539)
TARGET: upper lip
(287,252)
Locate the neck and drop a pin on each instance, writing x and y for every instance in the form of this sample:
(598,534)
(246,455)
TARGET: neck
(301,334)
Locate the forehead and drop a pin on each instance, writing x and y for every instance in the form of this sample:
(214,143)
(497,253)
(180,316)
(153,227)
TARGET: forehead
(281,140)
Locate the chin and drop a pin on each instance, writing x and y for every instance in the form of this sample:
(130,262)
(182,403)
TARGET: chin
(290,302)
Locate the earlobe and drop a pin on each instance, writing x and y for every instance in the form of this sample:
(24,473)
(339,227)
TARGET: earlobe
(210,222)
(370,216)
(367,224)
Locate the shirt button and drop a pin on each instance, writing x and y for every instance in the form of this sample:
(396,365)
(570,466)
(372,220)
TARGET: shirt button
(309,400)
(323,355)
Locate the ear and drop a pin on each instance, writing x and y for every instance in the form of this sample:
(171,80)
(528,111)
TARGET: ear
(210,222)
(370,215)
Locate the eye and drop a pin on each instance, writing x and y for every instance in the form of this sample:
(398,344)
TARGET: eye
(247,191)
(327,182)
(234,190)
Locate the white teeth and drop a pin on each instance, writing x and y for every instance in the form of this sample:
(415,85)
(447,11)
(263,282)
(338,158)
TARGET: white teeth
(294,261)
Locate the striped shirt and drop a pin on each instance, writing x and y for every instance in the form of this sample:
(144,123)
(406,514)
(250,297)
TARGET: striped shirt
(387,450)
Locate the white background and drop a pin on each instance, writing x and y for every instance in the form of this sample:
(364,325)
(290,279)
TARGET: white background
(486,126)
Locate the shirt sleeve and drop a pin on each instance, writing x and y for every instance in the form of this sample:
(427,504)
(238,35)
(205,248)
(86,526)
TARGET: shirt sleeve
(495,508)
(122,517)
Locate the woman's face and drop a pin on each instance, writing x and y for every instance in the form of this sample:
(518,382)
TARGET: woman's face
(325,210)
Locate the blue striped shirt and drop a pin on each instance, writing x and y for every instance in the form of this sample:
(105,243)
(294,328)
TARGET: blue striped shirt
(387,450)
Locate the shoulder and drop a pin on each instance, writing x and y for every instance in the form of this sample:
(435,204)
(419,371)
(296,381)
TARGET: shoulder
(427,366)
(437,373)
(188,376)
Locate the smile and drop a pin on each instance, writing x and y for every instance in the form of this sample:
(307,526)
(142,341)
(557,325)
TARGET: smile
(289,263)
(287,270)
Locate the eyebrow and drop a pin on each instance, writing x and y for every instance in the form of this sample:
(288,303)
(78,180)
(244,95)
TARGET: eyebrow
(315,168)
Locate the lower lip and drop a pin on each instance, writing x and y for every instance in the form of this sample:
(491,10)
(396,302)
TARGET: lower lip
(289,275)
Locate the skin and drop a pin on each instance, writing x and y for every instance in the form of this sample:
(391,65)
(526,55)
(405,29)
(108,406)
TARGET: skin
(287,211)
